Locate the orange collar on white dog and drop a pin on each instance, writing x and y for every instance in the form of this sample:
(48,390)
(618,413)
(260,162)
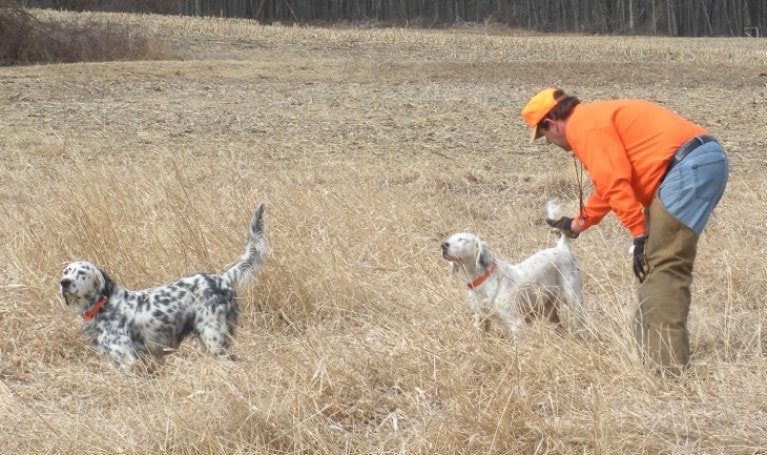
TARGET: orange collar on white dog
(481,279)
(88,315)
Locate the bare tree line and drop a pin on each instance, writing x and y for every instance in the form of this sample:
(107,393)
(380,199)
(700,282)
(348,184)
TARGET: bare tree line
(666,17)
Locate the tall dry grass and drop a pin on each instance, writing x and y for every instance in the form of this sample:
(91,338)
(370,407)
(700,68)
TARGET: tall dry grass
(354,338)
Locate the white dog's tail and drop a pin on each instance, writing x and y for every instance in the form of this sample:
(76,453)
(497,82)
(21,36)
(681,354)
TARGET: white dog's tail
(241,273)
(553,212)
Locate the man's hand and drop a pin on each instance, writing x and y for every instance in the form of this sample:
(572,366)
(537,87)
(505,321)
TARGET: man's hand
(640,261)
(565,225)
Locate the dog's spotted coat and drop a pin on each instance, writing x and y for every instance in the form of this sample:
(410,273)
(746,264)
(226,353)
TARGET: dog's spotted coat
(132,327)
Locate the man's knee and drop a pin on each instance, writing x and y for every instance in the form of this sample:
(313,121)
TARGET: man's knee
(663,348)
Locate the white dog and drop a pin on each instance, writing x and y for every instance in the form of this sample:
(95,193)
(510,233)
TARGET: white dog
(133,327)
(516,293)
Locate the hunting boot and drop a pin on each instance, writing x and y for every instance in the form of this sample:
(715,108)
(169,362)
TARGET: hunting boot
(660,323)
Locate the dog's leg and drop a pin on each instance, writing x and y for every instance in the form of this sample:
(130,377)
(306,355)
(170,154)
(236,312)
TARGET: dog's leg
(215,338)
(573,298)
(514,324)
(215,342)
(215,325)
(481,321)
(120,348)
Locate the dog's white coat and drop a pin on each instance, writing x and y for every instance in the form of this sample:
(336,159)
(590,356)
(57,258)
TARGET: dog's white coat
(516,293)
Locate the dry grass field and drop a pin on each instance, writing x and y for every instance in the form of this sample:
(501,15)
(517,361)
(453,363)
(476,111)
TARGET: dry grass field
(369,147)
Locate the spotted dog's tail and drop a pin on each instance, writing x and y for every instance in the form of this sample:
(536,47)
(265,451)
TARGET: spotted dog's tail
(553,212)
(241,273)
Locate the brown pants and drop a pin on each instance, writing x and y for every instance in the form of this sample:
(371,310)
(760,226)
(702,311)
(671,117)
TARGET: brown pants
(660,323)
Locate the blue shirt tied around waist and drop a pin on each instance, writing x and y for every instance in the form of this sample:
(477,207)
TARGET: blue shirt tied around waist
(693,186)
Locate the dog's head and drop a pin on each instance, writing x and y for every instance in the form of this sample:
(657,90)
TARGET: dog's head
(83,284)
(466,251)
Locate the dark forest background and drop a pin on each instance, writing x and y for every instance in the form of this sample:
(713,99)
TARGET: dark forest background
(661,17)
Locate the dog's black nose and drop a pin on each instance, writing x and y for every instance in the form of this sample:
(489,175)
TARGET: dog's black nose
(445,246)
(66,282)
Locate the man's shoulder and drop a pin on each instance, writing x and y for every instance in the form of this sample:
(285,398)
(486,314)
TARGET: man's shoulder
(602,113)
(616,104)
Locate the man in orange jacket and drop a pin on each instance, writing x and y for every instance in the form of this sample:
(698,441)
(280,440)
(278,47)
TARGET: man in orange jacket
(662,176)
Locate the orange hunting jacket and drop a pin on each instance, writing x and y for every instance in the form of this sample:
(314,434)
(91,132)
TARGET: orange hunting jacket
(625,145)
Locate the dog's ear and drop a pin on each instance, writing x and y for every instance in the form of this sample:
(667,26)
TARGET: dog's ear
(483,256)
(453,269)
(107,284)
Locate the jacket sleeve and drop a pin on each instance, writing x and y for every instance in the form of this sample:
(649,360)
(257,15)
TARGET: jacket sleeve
(594,210)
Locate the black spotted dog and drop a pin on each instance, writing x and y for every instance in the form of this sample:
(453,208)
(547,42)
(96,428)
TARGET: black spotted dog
(133,327)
